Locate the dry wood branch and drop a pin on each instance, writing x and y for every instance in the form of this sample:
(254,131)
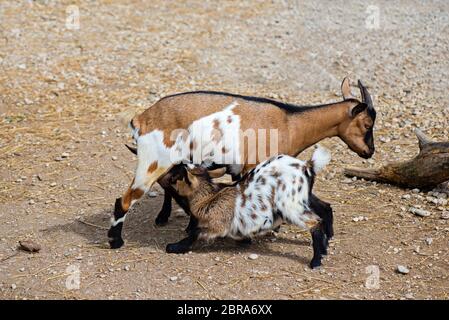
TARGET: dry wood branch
(428,169)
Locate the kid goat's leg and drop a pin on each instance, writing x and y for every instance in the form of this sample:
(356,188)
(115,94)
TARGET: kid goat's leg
(324,211)
(122,206)
(185,245)
(318,245)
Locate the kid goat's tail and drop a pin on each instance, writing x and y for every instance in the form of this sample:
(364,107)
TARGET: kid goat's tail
(320,158)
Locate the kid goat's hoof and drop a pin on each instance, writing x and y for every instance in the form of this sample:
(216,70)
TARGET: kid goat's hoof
(244,242)
(176,248)
(161,221)
(116,243)
(315,264)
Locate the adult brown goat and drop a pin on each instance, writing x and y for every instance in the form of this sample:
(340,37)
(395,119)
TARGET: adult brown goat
(211,127)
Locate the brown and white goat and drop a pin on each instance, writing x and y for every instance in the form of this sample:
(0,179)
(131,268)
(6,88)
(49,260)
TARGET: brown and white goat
(183,127)
(275,191)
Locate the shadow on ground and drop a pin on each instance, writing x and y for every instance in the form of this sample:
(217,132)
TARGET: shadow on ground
(140,231)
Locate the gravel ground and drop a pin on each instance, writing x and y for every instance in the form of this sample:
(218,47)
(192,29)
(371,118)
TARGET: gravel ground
(63,91)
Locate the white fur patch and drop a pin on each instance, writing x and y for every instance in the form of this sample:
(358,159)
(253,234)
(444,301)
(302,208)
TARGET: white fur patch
(215,139)
(116,222)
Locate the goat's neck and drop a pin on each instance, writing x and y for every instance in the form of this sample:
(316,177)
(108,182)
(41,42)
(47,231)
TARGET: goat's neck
(203,196)
(307,128)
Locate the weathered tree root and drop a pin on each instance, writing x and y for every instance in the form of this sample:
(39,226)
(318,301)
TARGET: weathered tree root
(428,169)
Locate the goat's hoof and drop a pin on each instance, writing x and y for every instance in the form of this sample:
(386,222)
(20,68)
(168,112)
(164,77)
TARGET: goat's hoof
(189,229)
(176,248)
(116,243)
(244,242)
(315,263)
(161,221)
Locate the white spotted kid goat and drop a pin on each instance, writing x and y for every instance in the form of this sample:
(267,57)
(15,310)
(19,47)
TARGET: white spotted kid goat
(275,191)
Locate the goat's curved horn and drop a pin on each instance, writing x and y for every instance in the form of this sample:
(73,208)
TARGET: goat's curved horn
(132,149)
(366,97)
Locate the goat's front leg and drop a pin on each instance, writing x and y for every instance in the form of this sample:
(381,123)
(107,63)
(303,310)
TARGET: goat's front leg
(245,242)
(185,245)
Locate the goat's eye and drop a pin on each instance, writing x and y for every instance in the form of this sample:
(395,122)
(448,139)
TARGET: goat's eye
(367,127)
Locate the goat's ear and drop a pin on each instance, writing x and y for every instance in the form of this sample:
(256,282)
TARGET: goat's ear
(217,173)
(346,89)
(197,170)
(190,178)
(358,109)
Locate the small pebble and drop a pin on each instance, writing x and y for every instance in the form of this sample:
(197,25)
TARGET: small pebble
(13,286)
(174,278)
(402,269)
(253,256)
(419,212)
(65,155)
(429,241)
(114,158)
(126,268)
(152,194)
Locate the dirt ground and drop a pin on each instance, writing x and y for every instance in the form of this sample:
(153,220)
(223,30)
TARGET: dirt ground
(63,91)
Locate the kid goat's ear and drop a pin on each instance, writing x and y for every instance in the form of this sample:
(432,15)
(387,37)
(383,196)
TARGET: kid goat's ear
(358,109)
(217,173)
(346,89)
(197,170)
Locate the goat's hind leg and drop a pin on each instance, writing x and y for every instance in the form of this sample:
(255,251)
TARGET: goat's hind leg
(324,211)
(318,243)
(121,208)
(184,204)
(164,214)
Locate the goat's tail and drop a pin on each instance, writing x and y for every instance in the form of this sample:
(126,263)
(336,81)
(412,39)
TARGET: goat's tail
(126,116)
(320,158)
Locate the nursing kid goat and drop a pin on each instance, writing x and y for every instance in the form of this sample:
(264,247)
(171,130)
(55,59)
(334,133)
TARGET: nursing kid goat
(228,130)
(275,191)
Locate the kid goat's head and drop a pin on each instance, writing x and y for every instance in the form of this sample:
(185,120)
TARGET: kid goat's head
(186,179)
(357,130)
